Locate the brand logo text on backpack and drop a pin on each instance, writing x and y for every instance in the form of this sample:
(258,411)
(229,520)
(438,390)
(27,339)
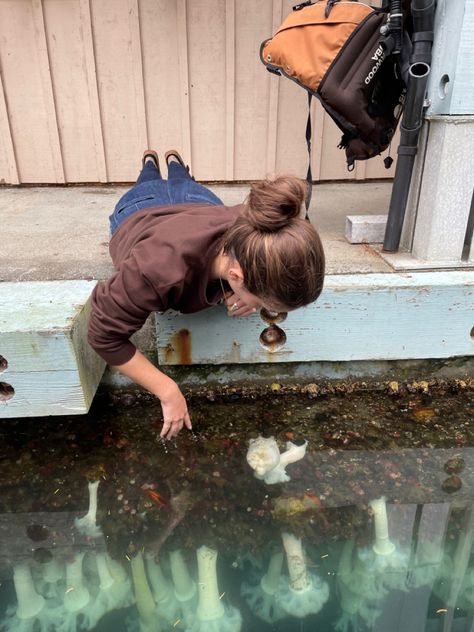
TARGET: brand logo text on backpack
(378,57)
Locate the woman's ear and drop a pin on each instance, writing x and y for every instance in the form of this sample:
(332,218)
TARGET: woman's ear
(235,273)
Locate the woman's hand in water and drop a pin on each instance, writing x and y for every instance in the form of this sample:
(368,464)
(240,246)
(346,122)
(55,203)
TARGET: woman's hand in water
(237,307)
(173,404)
(175,412)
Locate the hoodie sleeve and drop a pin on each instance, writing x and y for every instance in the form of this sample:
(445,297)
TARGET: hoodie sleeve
(120,307)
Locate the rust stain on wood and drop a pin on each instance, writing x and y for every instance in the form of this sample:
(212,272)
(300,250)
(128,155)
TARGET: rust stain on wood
(179,349)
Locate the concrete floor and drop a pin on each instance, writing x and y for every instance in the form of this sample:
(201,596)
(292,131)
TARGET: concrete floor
(51,233)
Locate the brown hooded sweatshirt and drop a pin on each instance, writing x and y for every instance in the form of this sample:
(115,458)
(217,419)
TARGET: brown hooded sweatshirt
(163,256)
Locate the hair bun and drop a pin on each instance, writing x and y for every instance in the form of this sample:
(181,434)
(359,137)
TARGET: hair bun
(273,204)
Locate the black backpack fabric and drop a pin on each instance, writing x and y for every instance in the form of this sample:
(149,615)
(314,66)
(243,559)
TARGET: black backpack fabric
(335,50)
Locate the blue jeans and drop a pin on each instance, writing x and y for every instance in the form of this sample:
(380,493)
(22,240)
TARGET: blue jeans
(151,190)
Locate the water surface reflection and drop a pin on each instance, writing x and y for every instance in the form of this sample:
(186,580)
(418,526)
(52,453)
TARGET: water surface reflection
(103,526)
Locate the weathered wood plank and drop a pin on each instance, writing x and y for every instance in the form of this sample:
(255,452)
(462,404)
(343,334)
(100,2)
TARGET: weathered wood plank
(273,102)
(32,351)
(24,93)
(137,64)
(115,55)
(357,317)
(43,393)
(163,83)
(183,79)
(92,96)
(51,119)
(252,89)
(7,141)
(43,338)
(206,48)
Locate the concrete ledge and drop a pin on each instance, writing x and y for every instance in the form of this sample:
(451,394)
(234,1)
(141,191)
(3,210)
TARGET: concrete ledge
(405,261)
(358,317)
(46,364)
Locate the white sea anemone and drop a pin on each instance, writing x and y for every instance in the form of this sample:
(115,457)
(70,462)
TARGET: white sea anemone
(87,524)
(114,590)
(359,591)
(261,597)
(148,619)
(387,560)
(167,606)
(304,593)
(212,614)
(269,465)
(48,577)
(185,589)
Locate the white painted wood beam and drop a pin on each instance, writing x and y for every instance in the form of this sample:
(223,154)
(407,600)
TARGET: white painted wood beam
(357,317)
(51,369)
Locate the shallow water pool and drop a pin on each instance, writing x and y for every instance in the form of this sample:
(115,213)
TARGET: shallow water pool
(372,531)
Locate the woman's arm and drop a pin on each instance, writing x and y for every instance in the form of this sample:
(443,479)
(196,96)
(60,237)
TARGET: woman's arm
(173,404)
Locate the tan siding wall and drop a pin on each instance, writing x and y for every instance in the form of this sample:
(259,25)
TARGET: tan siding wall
(86,85)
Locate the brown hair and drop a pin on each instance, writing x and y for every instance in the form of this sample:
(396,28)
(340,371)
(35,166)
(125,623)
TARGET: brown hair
(280,253)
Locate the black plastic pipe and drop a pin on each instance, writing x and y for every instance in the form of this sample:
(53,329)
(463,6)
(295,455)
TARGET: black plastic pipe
(412,120)
(409,131)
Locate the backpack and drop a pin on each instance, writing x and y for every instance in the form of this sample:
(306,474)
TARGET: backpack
(335,49)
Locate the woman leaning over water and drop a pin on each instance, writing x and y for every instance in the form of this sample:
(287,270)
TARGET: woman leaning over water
(175,245)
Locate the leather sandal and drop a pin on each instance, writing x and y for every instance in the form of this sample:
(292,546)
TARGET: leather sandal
(151,154)
(173,154)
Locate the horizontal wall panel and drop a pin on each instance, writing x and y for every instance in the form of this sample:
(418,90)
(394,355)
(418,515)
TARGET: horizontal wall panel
(89,84)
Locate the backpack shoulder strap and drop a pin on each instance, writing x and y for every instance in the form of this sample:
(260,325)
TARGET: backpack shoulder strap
(309,174)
